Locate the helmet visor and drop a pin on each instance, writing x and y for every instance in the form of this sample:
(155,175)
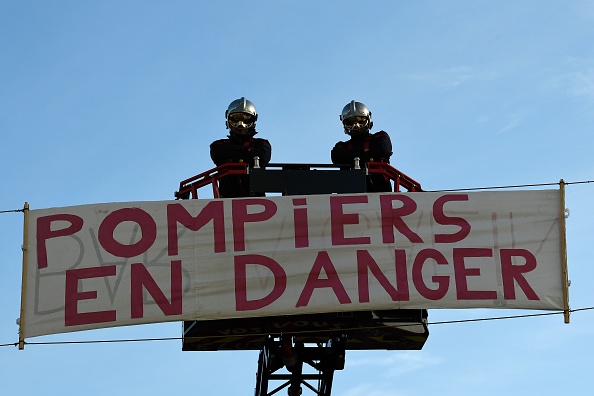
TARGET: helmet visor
(235,117)
(241,120)
(356,122)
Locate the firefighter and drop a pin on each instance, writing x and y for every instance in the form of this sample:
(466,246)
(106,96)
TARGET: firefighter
(240,146)
(367,146)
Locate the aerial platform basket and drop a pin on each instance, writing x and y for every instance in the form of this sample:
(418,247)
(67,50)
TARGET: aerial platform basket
(319,340)
(298,179)
(404,329)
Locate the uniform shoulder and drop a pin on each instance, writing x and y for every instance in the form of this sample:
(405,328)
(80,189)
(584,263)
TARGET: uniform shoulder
(261,142)
(381,133)
(220,146)
(341,143)
(220,141)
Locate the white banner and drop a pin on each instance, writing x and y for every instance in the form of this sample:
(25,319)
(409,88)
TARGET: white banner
(118,264)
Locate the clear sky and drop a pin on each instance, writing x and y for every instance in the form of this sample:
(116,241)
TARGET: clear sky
(111,101)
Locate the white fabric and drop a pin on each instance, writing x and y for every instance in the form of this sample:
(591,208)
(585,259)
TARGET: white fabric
(304,254)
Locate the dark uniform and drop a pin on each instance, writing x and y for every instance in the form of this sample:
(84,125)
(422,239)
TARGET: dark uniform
(236,150)
(239,147)
(370,147)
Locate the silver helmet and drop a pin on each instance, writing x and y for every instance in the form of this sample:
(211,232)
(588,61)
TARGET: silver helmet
(241,117)
(356,118)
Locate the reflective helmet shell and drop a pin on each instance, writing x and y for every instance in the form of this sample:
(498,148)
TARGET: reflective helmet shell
(241,105)
(355,109)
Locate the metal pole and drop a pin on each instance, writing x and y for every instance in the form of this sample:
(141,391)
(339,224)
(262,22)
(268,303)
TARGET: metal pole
(24,277)
(564,275)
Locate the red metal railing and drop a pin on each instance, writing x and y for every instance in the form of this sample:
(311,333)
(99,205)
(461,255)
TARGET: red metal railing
(399,178)
(189,188)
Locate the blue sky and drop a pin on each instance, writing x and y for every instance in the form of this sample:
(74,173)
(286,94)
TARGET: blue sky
(111,101)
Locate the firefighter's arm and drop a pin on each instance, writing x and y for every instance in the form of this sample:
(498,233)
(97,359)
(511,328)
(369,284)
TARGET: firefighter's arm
(222,152)
(381,148)
(342,154)
(260,148)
